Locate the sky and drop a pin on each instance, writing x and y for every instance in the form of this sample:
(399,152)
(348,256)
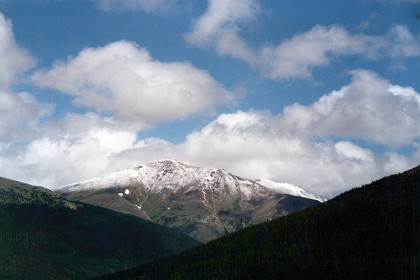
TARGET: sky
(321,94)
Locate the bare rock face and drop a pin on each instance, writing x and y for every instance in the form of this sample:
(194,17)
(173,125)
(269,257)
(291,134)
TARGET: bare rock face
(202,203)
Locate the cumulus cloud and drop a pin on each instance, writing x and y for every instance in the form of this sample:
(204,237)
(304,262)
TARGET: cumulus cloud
(220,28)
(261,150)
(369,108)
(19,116)
(149,6)
(249,144)
(278,148)
(77,147)
(123,80)
(14,59)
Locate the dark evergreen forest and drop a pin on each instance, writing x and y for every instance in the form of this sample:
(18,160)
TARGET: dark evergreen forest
(44,236)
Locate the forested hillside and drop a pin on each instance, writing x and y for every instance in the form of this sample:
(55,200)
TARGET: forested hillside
(44,236)
(370,232)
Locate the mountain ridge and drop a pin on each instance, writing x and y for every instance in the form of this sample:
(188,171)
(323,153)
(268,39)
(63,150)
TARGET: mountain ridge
(127,176)
(200,202)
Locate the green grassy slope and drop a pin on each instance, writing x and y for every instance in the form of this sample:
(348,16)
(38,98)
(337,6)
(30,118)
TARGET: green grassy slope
(372,232)
(44,236)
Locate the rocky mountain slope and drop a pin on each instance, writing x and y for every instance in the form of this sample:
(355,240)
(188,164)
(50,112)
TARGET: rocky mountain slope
(202,203)
(45,236)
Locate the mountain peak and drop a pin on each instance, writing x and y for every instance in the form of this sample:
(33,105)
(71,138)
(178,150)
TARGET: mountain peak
(168,163)
(172,174)
(201,202)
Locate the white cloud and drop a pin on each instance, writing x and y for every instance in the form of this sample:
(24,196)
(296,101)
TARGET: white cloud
(123,80)
(296,57)
(19,112)
(402,43)
(13,59)
(220,27)
(256,144)
(149,6)
(77,147)
(352,151)
(369,108)
(247,144)
(19,116)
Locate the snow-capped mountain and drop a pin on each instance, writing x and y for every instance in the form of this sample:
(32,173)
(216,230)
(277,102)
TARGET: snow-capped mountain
(203,203)
(290,189)
(169,175)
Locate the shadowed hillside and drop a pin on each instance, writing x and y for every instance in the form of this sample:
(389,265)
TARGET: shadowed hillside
(44,236)
(370,232)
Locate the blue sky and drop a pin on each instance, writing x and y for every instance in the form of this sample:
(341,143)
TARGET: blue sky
(321,94)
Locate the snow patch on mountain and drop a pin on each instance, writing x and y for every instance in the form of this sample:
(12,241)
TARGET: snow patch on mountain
(170,175)
(112,180)
(290,189)
(167,175)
